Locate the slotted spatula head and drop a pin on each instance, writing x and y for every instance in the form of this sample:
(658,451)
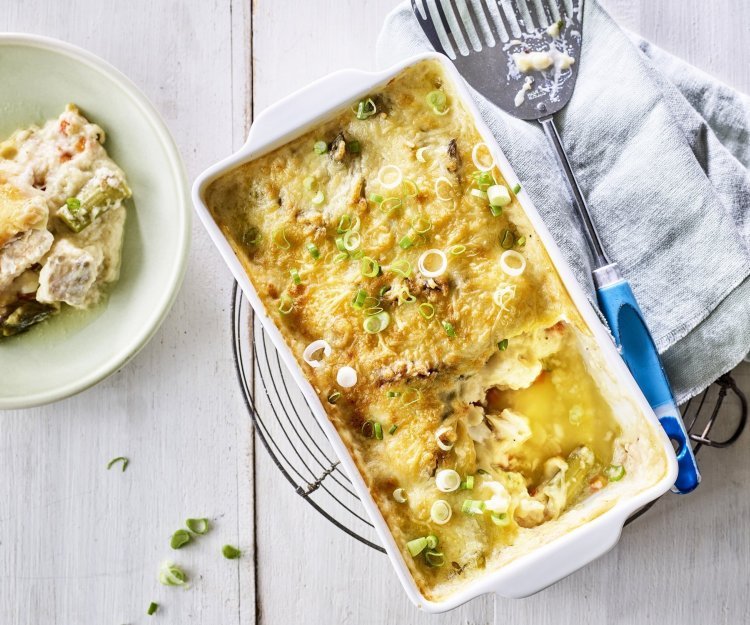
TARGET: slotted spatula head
(488,40)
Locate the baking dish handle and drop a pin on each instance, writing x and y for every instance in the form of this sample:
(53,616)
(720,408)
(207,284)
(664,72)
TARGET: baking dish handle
(307,106)
(564,557)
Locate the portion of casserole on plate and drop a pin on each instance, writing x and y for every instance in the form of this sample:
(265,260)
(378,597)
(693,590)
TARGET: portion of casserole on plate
(407,280)
(61,220)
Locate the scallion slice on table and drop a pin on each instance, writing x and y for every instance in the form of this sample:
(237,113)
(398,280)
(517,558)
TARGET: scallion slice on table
(172,575)
(152,608)
(114,461)
(198,526)
(230,552)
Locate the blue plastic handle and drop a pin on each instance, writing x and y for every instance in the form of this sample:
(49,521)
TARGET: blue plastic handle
(638,350)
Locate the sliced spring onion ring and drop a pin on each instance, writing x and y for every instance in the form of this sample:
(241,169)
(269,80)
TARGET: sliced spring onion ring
(230,552)
(310,183)
(449,329)
(421,224)
(152,608)
(352,239)
(198,526)
(503,295)
(378,430)
(468,483)
(340,258)
(484,179)
(279,239)
(369,267)
(334,397)
(318,198)
(390,204)
(353,147)
(399,495)
(286,304)
(498,195)
(366,108)
(346,377)
(411,395)
(614,472)
(439,270)
(340,244)
(432,541)
(507,239)
(417,546)
(377,198)
(406,242)
(482,165)
(421,154)
(502,345)
(521,241)
(368,428)
(393,394)
(500,519)
(519,263)
(427,310)
(314,347)
(438,102)
(439,438)
(320,147)
(401,267)
(179,539)
(472,506)
(516,188)
(444,189)
(456,249)
(295,275)
(171,575)
(482,195)
(392,429)
(409,188)
(376,323)
(390,176)
(447,480)
(359,299)
(345,223)
(314,251)
(434,558)
(441,512)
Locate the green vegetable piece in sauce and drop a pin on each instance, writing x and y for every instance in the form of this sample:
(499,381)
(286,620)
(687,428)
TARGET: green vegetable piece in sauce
(97,196)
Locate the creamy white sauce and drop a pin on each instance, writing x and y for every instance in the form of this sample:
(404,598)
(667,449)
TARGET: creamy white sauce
(540,60)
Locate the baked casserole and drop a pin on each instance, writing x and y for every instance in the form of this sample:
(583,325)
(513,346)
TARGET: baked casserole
(405,277)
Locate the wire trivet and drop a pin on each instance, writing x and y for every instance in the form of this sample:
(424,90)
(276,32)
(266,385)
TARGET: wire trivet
(296,443)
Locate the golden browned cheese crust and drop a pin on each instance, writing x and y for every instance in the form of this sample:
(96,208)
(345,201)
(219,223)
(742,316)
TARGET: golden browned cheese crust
(478,370)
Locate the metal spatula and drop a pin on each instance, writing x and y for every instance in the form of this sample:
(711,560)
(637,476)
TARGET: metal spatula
(490,42)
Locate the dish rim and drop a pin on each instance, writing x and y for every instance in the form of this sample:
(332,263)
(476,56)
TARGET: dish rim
(183,226)
(264,137)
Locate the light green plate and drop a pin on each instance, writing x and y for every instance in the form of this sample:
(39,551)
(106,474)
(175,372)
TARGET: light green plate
(74,350)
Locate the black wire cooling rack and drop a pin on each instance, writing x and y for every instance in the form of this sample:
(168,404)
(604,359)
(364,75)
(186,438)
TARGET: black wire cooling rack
(298,446)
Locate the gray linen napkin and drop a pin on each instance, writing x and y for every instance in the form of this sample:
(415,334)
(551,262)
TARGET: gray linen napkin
(662,152)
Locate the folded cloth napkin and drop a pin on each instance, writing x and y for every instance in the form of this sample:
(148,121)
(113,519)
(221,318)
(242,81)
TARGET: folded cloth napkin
(662,152)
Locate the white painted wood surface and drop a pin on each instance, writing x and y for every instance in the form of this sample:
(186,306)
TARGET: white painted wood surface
(81,545)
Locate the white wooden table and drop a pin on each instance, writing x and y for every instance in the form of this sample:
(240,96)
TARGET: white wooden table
(82,545)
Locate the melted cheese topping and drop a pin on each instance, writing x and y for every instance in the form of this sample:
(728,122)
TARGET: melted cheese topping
(478,370)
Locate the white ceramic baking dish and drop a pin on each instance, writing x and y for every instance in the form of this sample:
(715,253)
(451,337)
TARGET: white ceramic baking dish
(547,563)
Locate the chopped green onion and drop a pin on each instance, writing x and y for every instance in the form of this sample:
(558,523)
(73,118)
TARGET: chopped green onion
(392,429)
(279,239)
(366,108)
(614,472)
(516,189)
(353,147)
(496,211)
(368,428)
(314,251)
(369,267)
(378,430)
(376,198)
(427,310)
(432,541)
(352,239)
(295,275)
(318,198)
(417,546)
(406,242)
(410,188)
(310,183)
(420,154)
(179,539)
(334,397)
(482,195)
(152,608)
(345,223)
(449,329)
(172,575)
(376,323)
(502,345)
(286,304)
(384,289)
(359,299)
(340,244)
(434,558)
(438,102)
(320,147)
(393,394)
(391,204)
(521,241)
(252,236)
(405,297)
(198,526)
(421,224)
(498,195)
(415,396)
(230,552)
(500,519)
(484,179)
(73,204)
(507,239)
(468,484)
(472,506)
(401,267)
(340,258)
(114,461)
(456,249)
